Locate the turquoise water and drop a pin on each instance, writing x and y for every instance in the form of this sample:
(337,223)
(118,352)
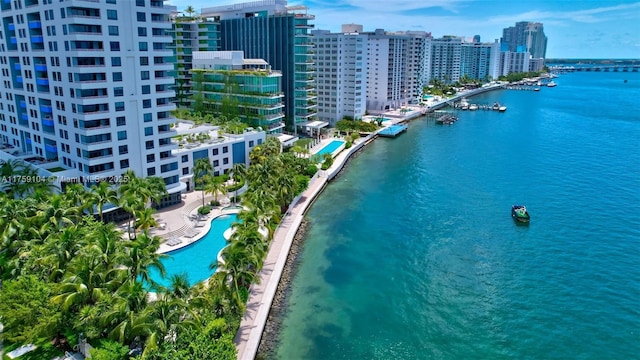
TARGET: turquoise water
(412,253)
(194,260)
(330,147)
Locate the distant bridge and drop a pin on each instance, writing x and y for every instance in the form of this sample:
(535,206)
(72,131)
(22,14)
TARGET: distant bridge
(594,68)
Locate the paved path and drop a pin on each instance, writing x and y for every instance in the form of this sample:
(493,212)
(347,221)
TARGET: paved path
(261,295)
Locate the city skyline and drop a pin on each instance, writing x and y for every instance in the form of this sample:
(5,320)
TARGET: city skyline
(575,29)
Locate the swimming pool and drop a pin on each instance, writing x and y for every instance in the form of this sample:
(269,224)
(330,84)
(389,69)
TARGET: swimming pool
(194,260)
(330,147)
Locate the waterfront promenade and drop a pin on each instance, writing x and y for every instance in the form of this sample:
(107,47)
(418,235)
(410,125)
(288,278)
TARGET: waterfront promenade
(261,295)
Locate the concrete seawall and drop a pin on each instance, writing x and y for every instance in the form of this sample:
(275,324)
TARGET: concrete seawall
(261,295)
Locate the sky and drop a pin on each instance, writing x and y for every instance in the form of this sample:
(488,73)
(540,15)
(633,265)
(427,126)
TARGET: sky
(574,28)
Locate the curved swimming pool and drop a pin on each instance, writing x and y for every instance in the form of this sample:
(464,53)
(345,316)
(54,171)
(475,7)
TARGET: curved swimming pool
(194,259)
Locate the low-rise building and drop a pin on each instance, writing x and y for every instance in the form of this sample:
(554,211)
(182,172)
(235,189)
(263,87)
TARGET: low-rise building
(222,150)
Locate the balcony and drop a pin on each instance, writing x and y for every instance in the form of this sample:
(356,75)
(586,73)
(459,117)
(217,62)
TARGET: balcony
(47,122)
(42,81)
(17,66)
(40,67)
(37,39)
(35,24)
(46,108)
(12,27)
(25,117)
(23,104)
(13,40)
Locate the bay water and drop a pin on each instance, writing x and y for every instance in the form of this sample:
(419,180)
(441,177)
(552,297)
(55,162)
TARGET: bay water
(411,253)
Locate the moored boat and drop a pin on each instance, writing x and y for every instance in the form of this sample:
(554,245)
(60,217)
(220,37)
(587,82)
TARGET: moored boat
(551,84)
(520,214)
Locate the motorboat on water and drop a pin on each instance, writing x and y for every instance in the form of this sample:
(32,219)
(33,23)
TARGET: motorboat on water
(551,83)
(473,107)
(520,214)
(497,107)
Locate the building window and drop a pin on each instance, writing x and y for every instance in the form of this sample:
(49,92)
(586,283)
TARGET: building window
(114,45)
(111,14)
(120,121)
(123,149)
(225,149)
(144,61)
(216,163)
(215,151)
(122,135)
(225,161)
(118,91)
(147,117)
(149,144)
(151,158)
(146,103)
(116,61)
(142,31)
(113,30)
(250,143)
(141,16)
(144,75)
(117,76)
(146,89)
(148,131)
(185,171)
(142,46)
(151,171)
(124,164)
(185,158)
(120,106)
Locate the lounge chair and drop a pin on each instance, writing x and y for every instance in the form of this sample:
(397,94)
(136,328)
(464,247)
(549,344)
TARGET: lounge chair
(200,224)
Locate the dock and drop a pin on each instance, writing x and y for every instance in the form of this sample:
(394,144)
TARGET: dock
(393,130)
(446,119)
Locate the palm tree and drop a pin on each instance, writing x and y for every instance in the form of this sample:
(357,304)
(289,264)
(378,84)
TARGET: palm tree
(201,168)
(131,204)
(142,257)
(145,219)
(238,174)
(190,10)
(101,195)
(213,185)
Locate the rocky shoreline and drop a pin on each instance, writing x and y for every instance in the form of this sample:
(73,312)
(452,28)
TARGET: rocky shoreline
(269,341)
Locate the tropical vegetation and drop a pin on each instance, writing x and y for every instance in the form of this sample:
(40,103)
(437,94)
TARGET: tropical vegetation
(66,274)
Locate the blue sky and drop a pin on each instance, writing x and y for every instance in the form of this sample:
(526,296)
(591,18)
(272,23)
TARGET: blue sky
(575,29)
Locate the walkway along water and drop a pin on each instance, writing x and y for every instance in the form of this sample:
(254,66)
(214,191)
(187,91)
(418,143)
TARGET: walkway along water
(261,295)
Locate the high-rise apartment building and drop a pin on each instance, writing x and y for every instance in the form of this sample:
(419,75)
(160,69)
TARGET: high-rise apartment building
(190,34)
(525,37)
(227,84)
(445,59)
(480,60)
(536,40)
(396,68)
(341,73)
(279,34)
(87,87)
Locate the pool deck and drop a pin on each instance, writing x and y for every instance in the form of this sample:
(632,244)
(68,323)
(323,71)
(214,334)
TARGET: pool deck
(179,222)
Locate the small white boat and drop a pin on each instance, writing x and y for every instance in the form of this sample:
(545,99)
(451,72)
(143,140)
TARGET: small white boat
(473,107)
(551,84)
(502,108)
